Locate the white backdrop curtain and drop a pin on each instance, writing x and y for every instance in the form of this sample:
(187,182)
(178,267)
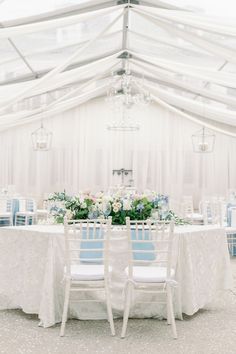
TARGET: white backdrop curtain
(84,153)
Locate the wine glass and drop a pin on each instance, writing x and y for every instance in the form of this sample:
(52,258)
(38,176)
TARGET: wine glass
(154,214)
(106,209)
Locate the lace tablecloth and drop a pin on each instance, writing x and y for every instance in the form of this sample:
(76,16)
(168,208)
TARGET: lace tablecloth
(31,272)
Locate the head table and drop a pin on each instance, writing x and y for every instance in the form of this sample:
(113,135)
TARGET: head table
(32,261)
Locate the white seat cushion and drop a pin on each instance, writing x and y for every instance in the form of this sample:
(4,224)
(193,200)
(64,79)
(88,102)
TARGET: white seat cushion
(87,272)
(42,211)
(195,216)
(5,215)
(150,274)
(25,213)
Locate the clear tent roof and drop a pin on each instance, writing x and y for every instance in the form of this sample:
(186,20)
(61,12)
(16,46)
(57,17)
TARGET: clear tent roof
(173,43)
(13,9)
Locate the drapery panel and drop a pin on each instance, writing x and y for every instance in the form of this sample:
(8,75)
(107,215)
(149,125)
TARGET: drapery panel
(84,153)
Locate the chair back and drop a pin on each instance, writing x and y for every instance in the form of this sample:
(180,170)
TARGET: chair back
(233,217)
(27,205)
(5,205)
(187,207)
(150,244)
(87,242)
(213,211)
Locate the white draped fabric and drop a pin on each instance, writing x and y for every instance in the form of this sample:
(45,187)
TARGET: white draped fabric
(32,260)
(221,78)
(54,23)
(208,111)
(202,21)
(84,153)
(163,77)
(174,34)
(58,69)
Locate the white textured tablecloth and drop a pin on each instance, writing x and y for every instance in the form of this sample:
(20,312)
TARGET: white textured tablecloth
(32,261)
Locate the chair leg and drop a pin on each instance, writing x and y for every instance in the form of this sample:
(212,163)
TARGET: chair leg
(168,315)
(65,308)
(126,309)
(109,310)
(171,310)
(179,302)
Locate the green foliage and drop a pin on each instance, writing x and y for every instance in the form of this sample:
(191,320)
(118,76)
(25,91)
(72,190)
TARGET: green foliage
(120,207)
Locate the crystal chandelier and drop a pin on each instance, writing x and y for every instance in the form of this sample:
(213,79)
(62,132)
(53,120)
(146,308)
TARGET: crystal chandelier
(203,141)
(41,139)
(126,90)
(125,123)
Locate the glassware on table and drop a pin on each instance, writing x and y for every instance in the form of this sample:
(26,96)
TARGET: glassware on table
(164,211)
(93,212)
(155,214)
(106,209)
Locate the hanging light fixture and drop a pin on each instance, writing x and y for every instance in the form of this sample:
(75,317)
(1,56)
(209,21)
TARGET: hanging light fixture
(124,124)
(126,90)
(203,141)
(41,139)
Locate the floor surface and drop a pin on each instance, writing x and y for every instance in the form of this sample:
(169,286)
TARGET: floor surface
(209,331)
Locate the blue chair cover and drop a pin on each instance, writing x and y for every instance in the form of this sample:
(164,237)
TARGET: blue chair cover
(15,208)
(85,255)
(144,246)
(93,245)
(229,213)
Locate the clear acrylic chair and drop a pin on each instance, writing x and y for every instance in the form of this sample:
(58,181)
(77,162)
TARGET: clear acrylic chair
(42,213)
(6,214)
(87,263)
(213,210)
(188,212)
(150,266)
(27,212)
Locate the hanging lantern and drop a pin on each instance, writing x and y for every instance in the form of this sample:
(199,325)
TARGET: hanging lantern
(203,141)
(41,139)
(126,123)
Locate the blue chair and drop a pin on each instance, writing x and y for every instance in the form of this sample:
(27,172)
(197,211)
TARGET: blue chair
(6,214)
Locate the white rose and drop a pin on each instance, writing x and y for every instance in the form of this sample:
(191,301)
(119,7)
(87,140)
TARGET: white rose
(127,204)
(116,206)
(69,214)
(115,209)
(83,205)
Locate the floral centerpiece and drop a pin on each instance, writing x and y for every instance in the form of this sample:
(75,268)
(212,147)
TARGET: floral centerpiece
(119,206)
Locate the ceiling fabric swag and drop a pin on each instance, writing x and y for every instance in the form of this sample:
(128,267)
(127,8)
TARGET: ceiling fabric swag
(163,77)
(59,80)
(170,108)
(221,78)
(60,108)
(71,44)
(196,107)
(166,41)
(65,11)
(202,22)
(60,67)
(21,115)
(204,43)
(19,30)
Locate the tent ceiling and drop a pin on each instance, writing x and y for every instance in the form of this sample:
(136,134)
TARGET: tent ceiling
(186,57)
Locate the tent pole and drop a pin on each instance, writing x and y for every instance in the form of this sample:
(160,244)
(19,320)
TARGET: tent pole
(23,58)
